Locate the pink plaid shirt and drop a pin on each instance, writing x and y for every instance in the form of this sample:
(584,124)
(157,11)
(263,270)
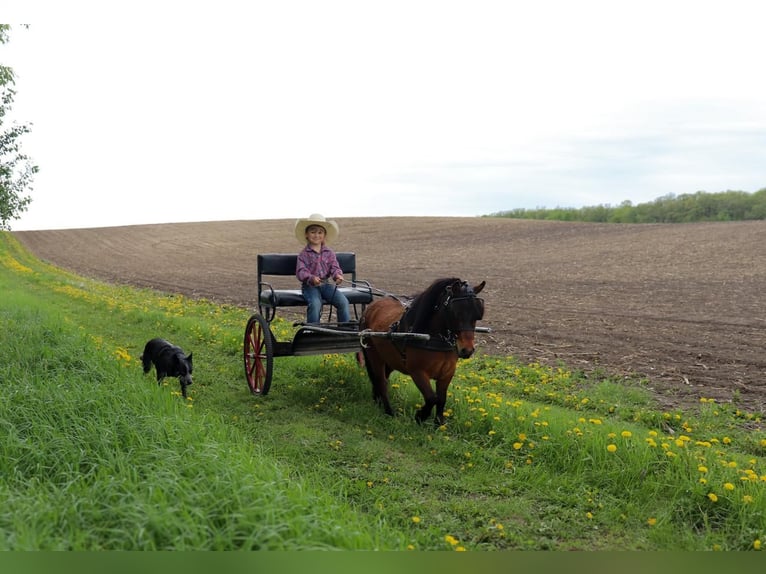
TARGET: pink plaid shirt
(312,264)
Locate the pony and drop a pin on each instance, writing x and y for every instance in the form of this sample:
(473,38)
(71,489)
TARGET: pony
(447,311)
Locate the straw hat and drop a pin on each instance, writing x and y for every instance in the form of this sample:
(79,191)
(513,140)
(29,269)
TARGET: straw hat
(316,219)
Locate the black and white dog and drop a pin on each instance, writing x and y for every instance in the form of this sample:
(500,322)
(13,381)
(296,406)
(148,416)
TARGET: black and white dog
(169,361)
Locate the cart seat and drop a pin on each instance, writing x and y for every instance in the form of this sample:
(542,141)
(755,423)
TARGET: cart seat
(284,264)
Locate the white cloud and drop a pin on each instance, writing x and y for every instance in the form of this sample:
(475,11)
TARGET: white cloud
(396,108)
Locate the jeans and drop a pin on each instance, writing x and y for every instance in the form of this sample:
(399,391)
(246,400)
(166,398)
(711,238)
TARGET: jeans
(328,293)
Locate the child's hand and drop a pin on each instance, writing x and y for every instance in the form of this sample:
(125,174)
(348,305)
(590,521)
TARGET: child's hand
(315,281)
(339,279)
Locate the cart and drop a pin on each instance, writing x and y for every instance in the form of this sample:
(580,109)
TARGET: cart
(261,346)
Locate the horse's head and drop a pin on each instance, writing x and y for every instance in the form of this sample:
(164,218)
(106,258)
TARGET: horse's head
(463,308)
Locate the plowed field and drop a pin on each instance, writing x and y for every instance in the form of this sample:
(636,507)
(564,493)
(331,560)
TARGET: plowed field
(682,305)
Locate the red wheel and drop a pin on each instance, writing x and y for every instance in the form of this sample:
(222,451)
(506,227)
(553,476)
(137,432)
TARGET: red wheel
(259,355)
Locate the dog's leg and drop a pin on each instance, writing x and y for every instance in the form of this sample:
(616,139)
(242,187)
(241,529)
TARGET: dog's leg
(160,375)
(147,362)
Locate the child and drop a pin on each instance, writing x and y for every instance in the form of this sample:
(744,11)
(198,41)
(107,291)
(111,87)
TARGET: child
(317,265)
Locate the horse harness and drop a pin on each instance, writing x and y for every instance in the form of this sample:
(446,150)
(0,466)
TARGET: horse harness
(443,342)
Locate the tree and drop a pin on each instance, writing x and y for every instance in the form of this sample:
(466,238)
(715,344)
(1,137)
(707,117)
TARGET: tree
(16,169)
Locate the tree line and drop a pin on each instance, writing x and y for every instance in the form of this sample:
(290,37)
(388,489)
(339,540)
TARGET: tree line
(670,208)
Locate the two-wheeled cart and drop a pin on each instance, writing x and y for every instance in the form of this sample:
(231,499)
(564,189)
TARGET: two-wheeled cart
(261,346)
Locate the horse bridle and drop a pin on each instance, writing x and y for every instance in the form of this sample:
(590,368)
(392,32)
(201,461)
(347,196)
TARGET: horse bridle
(451,337)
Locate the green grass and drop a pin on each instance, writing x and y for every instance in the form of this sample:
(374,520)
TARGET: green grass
(94,455)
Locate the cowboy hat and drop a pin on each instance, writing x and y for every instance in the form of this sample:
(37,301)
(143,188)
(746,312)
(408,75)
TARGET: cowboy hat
(329,226)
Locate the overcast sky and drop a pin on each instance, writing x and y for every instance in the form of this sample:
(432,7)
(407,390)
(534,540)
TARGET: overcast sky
(281,109)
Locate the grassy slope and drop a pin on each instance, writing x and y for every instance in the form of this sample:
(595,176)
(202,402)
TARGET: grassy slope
(97,456)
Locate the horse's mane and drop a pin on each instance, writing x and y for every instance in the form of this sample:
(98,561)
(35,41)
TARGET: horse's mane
(422,307)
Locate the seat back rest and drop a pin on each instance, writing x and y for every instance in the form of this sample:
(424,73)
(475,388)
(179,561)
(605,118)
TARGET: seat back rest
(283,264)
(272,266)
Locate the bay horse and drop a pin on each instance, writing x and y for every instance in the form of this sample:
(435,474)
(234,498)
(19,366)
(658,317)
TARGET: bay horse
(447,311)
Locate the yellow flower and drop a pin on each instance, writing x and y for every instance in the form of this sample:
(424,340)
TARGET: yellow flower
(416,519)
(651,521)
(728,486)
(612,448)
(757,545)
(712,497)
(451,540)
(626,434)
(702,469)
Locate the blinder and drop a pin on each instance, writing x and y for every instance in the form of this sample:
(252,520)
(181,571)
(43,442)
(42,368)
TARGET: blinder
(461,316)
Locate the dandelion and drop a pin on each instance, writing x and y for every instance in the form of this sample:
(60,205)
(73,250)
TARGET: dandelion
(712,496)
(747,499)
(589,515)
(626,434)
(702,469)
(612,448)
(416,519)
(651,521)
(451,540)
(728,486)
(756,544)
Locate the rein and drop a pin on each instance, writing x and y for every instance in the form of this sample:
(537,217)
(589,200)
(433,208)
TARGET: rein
(365,286)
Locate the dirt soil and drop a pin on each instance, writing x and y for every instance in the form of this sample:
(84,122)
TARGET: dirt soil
(681,305)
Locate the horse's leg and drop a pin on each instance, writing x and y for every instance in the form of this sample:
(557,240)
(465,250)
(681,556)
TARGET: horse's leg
(378,374)
(442,384)
(423,382)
